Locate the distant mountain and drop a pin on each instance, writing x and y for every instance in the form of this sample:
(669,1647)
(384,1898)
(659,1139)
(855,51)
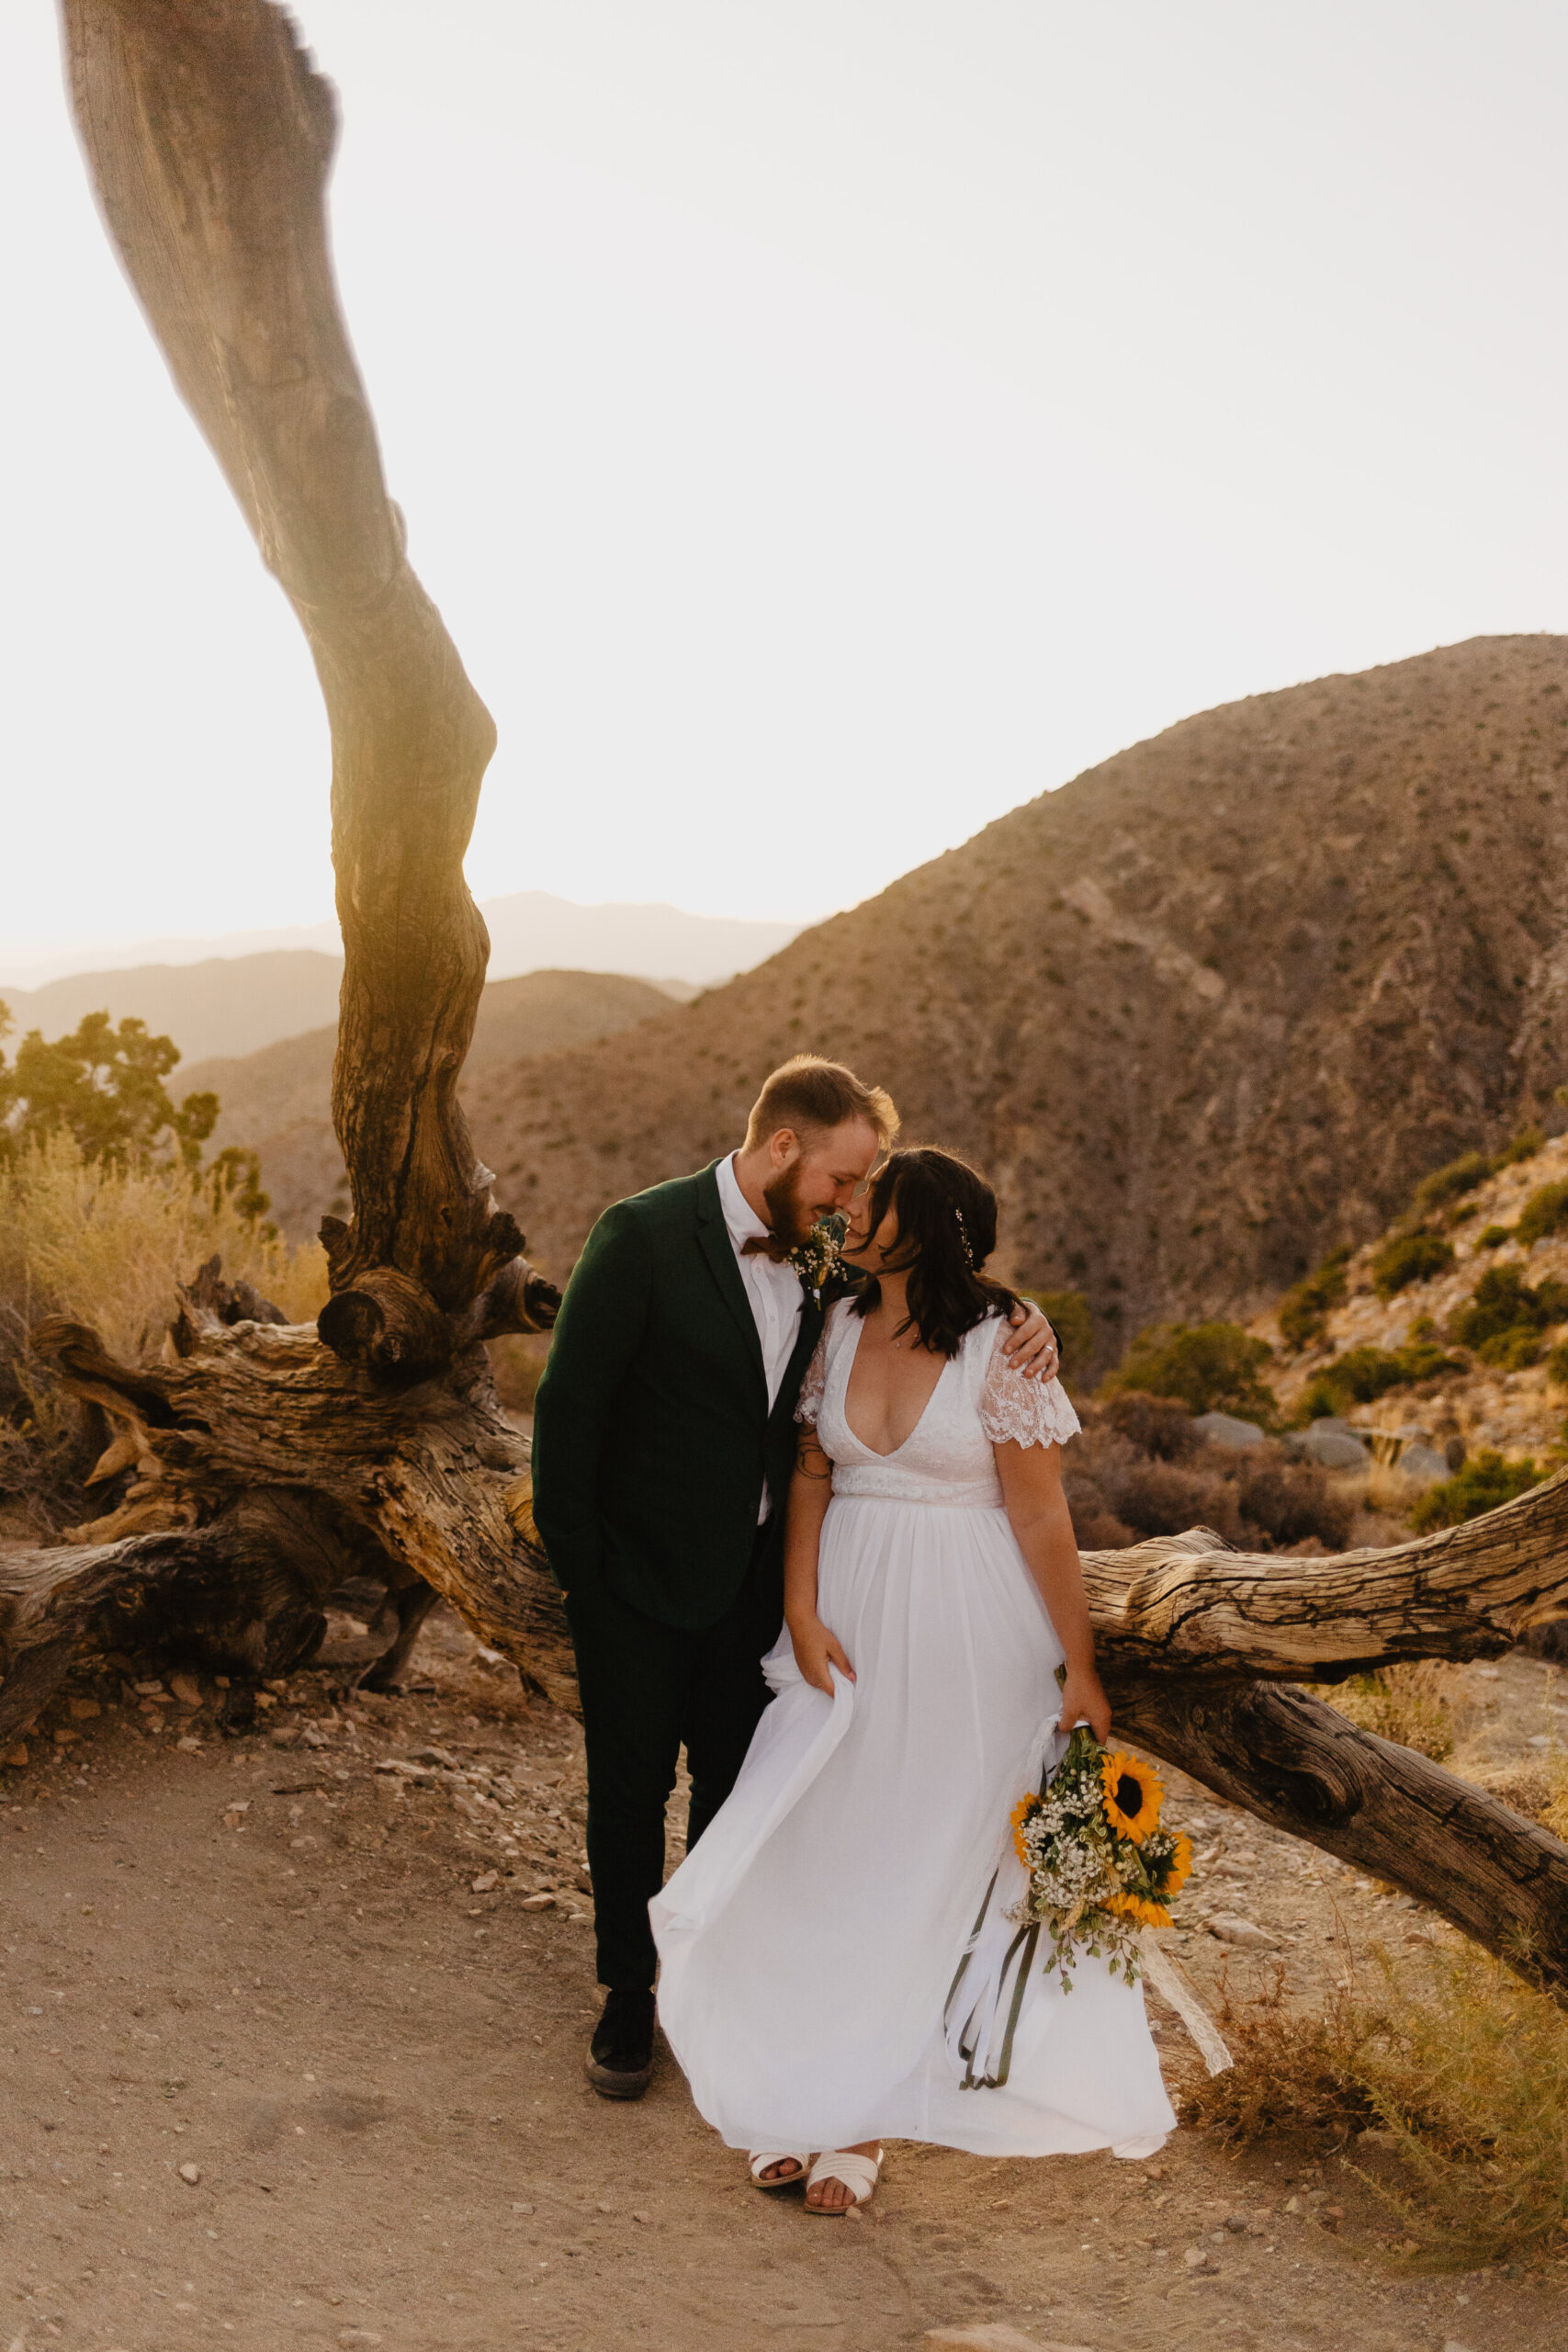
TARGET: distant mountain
(279,1100)
(529,932)
(224,1005)
(1202,1014)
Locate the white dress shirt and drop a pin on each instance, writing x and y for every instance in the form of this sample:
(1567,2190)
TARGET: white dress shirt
(773,1291)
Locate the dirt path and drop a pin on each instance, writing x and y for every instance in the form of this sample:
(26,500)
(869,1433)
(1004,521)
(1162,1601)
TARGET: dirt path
(263,1961)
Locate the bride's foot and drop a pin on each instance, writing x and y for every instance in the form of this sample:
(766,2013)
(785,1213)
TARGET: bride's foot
(770,2171)
(826,2193)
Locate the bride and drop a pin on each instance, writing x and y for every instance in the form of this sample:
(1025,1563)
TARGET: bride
(932,1589)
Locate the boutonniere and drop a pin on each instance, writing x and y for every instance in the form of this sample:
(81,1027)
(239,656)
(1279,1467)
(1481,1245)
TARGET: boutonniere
(821,1255)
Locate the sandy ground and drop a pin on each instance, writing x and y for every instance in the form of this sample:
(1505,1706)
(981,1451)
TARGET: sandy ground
(276,2073)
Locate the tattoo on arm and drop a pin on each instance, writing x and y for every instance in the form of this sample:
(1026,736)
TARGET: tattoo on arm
(811,1459)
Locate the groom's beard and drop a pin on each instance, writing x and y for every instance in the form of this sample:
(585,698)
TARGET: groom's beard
(792,1218)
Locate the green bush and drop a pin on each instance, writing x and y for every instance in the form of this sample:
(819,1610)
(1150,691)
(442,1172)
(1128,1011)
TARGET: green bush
(1492,1237)
(103,1087)
(1485,1481)
(1306,1303)
(1067,1313)
(1363,1374)
(1524,1146)
(1505,1317)
(1408,1258)
(1208,1367)
(1557,1365)
(1545,1212)
(1450,1183)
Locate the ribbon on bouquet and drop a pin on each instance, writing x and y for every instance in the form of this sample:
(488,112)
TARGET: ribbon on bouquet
(985,2001)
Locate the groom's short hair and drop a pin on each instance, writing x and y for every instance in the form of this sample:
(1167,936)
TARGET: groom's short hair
(812,1095)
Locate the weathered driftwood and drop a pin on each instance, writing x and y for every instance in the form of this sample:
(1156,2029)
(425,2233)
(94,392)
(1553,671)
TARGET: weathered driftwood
(268,1465)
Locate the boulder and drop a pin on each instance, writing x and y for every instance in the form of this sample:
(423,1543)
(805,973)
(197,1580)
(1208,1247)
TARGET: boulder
(1422,1464)
(1335,1445)
(1223,1429)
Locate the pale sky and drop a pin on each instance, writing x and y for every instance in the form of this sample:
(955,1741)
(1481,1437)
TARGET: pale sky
(824,423)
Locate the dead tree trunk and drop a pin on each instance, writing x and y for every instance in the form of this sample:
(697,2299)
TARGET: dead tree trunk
(273,1463)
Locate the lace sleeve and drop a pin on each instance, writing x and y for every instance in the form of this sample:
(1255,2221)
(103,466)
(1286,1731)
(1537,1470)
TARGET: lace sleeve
(812,1387)
(1027,1412)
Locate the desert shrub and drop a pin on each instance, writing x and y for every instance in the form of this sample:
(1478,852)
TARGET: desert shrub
(1524,1146)
(1450,1183)
(1132,1474)
(1485,1481)
(1067,1313)
(1208,1367)
(1306,1304)
(1504,1316)
(1545,1212)
(1362,1375)
(1293,1501)
(1154,1425)
(1423,1704)
(1464,2067)
(106,1242)
(1407,1258)
(1492,1237)
(103,1086)
(1557,1365)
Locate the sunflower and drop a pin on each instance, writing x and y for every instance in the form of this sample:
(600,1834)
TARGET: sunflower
(1134,1794)
(1138,1907)
(1174,1869)
(1019,1817)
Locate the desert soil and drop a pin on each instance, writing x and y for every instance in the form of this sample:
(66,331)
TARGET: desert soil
(289,2061)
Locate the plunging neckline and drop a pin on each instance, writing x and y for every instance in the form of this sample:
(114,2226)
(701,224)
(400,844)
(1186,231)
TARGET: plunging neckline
(904,1442)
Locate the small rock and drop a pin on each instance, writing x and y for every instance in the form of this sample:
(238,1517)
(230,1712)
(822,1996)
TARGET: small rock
(186,1689)
(63,1738)
(538,1902)
(1232,1929)
(1223,1429)
(1196,2257)
(1333,1450)
(528,2209)
(486,1879)
(190,2175)
(265,1699)
(147,1689)
(1331,2216)
(1237,2223)
(643,2218)
(192,1747)
(435,1756)
(17,1755)
(284,1737)
(84,1710)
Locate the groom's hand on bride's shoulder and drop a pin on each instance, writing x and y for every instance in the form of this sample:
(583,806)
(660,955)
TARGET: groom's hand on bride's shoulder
(1031,1345)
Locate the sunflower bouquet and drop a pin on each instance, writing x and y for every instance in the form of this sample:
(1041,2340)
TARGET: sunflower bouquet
(1098,1864)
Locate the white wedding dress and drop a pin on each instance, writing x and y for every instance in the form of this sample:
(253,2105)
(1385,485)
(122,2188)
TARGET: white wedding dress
(808,1941)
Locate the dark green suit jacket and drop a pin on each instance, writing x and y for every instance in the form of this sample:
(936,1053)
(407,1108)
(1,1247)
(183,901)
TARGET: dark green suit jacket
(653,1437)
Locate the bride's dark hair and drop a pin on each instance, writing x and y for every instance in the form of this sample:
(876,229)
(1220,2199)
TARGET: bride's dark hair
(947,1230)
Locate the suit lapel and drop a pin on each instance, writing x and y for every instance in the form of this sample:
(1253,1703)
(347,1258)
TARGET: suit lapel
(713,1240)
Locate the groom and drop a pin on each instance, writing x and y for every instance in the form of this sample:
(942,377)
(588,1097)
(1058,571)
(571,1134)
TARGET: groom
(663,1444)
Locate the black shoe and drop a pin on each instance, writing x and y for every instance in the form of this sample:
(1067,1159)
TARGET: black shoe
(620,2056)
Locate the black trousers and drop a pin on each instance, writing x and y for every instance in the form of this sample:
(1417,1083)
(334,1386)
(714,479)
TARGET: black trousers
(647,1687)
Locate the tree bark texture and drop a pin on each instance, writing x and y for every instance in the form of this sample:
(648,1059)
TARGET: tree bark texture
(209,135)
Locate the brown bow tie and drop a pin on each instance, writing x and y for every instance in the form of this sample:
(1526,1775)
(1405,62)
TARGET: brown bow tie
(765,1245)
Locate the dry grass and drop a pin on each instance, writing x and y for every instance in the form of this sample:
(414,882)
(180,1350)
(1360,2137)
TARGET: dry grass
(1458,2066)
(1426,1705)
(108,1246)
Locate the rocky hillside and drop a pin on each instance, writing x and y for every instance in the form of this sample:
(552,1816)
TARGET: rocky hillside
(279,1100)
(1459,1359)
(1204,1013)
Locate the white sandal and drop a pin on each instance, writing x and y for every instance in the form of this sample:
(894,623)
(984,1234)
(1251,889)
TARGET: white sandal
(760,2158)
(857,2173)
